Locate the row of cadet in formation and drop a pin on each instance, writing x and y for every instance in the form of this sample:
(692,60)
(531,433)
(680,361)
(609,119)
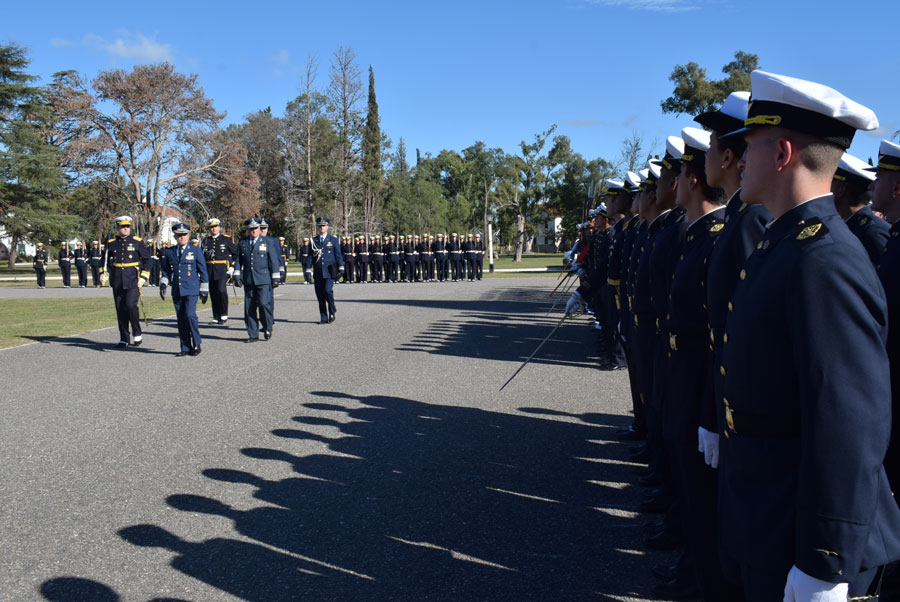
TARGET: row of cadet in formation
(381,259)
(753,292)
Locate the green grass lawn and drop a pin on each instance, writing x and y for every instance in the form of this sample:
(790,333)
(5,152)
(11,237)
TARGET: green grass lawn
(28,320)
(530,260)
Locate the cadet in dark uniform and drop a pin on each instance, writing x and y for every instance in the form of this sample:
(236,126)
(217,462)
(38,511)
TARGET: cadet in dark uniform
(468,257)
(850,188)
(418,249)
(64,258)
(303,258)
(409,258)
(285,258)
(439,250)
(41,258)
(427,258)
(126,272)
(220,254)
(362,259)
(80,256)
(376,259)
(805,506)
(155,260)
(480,248)
(347,255)
(95,257)
(184,269)
(327,264)
(609,315)
(392,256)
(258,267)
(454,249)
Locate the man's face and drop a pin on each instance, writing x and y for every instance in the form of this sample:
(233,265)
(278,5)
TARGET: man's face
(264,230)
(883,197)
(182,239)
(124,230)
(714,160)
(757,164)
(254,231)
(323,229)
(681,193)
(214,230)
(665,186)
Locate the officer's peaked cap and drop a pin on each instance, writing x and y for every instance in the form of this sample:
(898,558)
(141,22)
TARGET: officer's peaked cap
(212,223)
(252,223)
(730,117)
(854,170)
(696,143)
(323,221)
(181,228)
(123,220)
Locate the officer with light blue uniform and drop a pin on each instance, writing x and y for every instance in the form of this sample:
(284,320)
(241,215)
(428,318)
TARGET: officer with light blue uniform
(184,269)
(258,267)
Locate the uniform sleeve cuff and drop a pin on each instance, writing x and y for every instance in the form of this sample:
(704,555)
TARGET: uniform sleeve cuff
(204,287)
(145,275)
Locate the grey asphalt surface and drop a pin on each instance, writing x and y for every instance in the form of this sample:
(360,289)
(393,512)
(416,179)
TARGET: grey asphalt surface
(370,459)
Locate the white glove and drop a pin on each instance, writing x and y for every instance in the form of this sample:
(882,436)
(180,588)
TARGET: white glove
(574,304)
(800,587)
(230,271)
(708,444)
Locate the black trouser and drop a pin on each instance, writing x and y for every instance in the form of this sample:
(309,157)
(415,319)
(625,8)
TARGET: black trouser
(350,271)
(66,269)
(411,268)
(470,265)
(154,272)
(127,312)
(479,267)
(362,270)
(82,273)
(440,265)
(454,267)
(218,291)
(609,319)
(378,269)
(41,273)
(95,274)
(257,314)
(325,297)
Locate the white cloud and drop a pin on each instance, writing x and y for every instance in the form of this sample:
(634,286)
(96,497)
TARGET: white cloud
(659,6)
(282,58)
(126,45)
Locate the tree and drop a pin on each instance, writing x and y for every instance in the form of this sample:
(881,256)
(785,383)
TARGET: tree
(373,175)
(152,124)
(694,93)
(631,154)
(31,178)
(345,94)
(484,164)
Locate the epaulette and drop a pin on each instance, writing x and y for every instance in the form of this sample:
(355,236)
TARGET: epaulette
(715,227)
(810,230)
(111,240)
(680,218)
(137,238)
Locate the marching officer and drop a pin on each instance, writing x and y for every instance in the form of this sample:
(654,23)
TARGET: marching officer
(327,263)
(184,268)
(282,270)
(303,258)
(805,505)
(95,258)
(65,263)
(401,254)
(362,259)
(427,258)
(258,267)
(80,256)
(126,271)
(409,258)
(41,258)
(468,248)
(392,259)
(220,253)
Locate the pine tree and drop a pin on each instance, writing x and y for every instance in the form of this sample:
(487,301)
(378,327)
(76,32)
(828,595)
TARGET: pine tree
(372,169)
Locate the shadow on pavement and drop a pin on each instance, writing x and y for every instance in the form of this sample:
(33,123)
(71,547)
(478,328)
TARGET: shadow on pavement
(416,501)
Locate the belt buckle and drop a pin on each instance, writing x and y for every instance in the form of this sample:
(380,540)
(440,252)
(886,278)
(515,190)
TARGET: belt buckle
(673,342)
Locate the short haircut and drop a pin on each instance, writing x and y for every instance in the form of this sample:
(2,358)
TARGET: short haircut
(697,168)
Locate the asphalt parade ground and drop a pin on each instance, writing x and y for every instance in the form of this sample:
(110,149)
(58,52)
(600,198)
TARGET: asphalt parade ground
(370,459)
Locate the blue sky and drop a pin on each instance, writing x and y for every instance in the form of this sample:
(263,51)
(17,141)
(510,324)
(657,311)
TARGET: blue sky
(451,73)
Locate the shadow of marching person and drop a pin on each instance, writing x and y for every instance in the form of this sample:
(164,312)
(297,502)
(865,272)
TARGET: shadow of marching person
(77,589)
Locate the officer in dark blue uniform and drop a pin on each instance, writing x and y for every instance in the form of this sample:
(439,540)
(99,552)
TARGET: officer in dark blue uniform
(376,259)
(127,270)
(303,257)
(220,253)
(391,259)
(455,253)
(805,506)
(361,251)
(41,258)
(95,258)
(184,269)
(409,258)
(257,267)
(80,257)
(65,264)
(349,258)
(327,263)
(479,256)
(850,188)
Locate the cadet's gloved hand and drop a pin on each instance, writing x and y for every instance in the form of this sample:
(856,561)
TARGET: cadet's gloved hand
(708,444)
(204,297)
(230,271)
(575,304)
(162,291)
(236,280)
(581,273)
(104,279)
(141,282)
(800,587)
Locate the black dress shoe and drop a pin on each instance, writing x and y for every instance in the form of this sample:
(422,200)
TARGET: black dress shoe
(182,353)
(137,342)
(195,351)
(323,321)
(268,335)
(673,590)
(121,345)
(331,318)
(252,340)
(664,540)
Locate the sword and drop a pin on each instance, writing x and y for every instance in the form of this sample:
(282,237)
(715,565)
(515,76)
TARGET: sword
(553,292)
(566,290)
(143,309)
(525,363)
